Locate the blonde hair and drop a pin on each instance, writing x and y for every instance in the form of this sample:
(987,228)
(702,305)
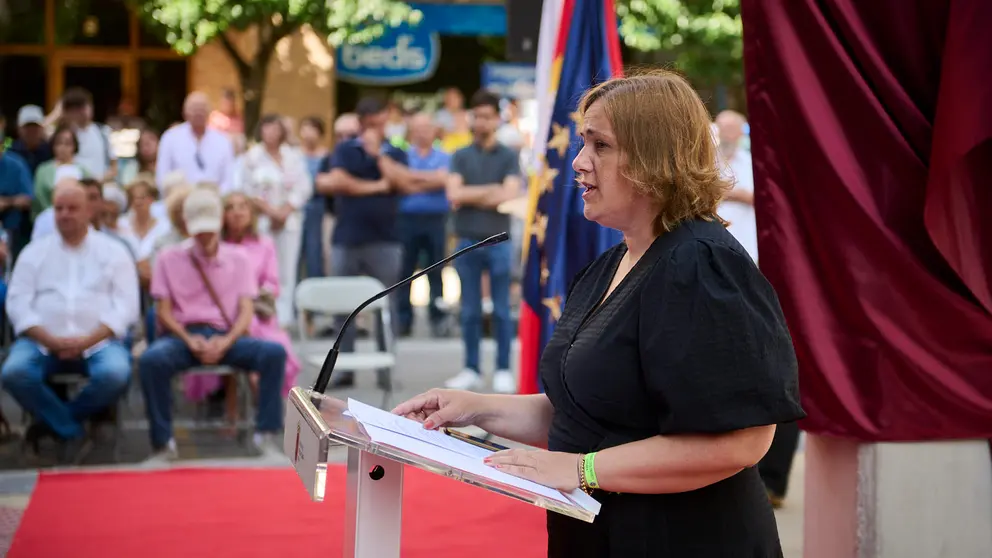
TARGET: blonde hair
(174,206)
(663,132)
(138,183)
(253,223)
(144,176)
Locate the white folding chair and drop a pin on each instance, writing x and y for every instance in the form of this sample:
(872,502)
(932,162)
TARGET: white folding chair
(341,296)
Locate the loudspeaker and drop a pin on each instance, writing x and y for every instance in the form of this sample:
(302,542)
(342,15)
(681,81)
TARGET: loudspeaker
(523,25)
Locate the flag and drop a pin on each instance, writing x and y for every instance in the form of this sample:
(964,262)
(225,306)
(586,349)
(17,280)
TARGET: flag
(560,241)
(547,44)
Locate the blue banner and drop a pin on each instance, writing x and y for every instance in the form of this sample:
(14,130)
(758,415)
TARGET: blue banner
(510,80)
(400,56)
(470,20)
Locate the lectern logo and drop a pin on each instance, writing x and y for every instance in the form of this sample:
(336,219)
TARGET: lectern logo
(296,453)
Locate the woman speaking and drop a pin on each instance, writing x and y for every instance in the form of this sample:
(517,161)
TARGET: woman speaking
(671,363)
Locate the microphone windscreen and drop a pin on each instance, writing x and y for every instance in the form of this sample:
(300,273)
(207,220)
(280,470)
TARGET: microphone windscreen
(497,238)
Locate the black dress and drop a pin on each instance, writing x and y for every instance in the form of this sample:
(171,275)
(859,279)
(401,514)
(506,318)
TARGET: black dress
(692,341)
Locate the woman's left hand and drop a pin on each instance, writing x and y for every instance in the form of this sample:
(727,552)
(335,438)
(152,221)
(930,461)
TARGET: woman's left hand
(556,469)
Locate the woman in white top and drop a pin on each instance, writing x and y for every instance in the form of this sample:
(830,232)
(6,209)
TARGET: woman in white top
(140,228)
(274,175)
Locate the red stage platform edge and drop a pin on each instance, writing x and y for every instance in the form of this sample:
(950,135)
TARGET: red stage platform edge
(257,512)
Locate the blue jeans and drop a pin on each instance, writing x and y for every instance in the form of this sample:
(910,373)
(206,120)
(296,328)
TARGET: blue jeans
(169,356)
(422,234)
(3,302)
(150,323)
(313,236)
(497,260)
(26,370)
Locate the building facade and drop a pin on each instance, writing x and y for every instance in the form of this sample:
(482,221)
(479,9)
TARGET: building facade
(44,49)
(102,46)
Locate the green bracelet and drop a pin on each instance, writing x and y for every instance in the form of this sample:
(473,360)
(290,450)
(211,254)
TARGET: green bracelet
(589,469)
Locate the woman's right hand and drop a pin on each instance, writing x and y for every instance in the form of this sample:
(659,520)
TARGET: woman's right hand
(443,407)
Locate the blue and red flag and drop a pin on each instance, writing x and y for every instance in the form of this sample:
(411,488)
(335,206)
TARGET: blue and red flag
(560,240)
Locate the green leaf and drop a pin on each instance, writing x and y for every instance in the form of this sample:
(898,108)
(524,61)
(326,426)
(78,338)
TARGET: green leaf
(189,24)
(704,38)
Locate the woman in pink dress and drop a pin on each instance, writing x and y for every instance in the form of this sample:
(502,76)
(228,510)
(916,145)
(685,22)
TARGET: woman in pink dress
(240,229)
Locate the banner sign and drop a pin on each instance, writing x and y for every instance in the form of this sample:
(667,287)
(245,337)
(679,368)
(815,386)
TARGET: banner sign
(510,79)
(400,56)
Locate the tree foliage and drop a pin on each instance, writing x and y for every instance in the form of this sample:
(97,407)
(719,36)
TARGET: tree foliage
(703,38)
(189,24)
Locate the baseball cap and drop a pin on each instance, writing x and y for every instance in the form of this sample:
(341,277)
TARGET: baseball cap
(203,211)
(30,114)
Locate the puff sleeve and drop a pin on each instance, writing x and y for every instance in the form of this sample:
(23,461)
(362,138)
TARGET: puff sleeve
(715,350)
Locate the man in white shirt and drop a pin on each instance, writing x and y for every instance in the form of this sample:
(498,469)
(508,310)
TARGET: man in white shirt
(201,153)
(735,164)
(95,154)
(71,299)
(44,224)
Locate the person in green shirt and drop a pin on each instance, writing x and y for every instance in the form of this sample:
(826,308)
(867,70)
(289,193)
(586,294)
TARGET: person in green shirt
(64,147)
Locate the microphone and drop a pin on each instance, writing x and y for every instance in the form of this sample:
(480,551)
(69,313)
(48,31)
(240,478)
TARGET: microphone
(332,356)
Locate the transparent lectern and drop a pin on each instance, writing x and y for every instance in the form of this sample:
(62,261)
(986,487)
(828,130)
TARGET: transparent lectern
(315,423)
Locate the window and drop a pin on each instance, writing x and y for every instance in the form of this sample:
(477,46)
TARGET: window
(103,83)
(163,89)
(150,37)
(23,22)
(31,77)
(92,22)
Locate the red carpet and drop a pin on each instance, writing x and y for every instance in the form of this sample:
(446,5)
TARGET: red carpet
(257,512)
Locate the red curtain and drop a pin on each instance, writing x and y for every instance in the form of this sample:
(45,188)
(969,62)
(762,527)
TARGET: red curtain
(871,127)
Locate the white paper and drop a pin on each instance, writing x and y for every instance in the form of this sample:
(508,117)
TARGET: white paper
(367,414)
(409,435)
(459,461)
(585,500)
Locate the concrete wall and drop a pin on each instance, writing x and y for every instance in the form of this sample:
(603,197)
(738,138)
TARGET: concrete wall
(911,500)
(301,74)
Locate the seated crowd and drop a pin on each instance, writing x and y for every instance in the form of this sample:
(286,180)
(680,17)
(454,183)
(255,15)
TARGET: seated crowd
(202,277)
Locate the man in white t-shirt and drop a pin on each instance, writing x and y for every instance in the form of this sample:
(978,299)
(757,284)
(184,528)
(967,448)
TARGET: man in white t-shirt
(735,163)
(95,153)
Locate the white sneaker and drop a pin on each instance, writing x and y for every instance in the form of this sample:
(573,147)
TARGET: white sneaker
(466,380)
(268,445)
(504,382)
(163,457)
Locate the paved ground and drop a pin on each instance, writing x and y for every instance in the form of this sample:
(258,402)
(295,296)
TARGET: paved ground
(423,363)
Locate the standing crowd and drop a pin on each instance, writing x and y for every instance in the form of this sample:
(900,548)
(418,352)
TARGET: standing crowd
(187,254)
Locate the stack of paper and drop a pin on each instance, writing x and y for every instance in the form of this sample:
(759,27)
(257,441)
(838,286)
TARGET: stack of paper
(408,435)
